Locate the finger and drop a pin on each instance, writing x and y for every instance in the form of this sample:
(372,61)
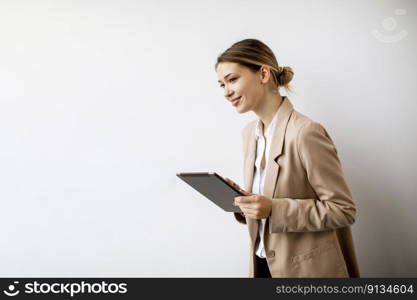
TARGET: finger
(234,184)
(243,199)
(251,216)
(249,212)
(246,193)
(229,181)
(248,209)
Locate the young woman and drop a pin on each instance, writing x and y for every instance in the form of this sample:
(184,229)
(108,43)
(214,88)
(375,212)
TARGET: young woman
(296,204)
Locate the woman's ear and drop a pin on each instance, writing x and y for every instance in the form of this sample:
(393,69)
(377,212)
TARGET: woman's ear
(265,73)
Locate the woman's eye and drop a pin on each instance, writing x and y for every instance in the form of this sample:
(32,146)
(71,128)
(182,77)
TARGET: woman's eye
(230,80)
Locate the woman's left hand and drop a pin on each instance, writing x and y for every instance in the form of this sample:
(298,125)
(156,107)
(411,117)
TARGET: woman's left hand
(254,206)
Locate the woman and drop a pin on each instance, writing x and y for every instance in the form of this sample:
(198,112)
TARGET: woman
(296,203)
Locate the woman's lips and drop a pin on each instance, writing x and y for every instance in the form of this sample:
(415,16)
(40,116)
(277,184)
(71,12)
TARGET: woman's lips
(236,102)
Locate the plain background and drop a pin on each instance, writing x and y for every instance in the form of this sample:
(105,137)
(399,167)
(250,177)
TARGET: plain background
(103,102)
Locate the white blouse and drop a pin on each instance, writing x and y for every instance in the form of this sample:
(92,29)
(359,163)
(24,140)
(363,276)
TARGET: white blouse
(259,176)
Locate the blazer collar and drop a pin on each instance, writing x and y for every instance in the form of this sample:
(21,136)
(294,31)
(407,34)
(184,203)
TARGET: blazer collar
(272,169)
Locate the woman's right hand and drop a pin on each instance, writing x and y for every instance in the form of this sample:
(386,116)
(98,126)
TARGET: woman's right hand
(236,186)
(232,183)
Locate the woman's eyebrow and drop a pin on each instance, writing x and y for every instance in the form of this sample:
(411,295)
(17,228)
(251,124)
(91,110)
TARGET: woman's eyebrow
(224,77)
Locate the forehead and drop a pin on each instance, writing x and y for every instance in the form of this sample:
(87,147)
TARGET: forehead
(224,68)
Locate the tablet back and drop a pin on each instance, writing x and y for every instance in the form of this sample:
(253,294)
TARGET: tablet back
(214,188)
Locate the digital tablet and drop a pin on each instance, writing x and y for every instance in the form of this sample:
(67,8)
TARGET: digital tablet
(214,188)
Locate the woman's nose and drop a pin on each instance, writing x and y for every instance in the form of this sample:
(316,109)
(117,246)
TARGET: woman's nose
(227,93)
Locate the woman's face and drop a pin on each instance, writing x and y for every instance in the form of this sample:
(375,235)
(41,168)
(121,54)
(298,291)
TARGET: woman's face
(240,82)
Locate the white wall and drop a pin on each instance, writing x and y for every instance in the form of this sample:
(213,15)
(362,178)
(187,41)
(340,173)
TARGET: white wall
(103,102)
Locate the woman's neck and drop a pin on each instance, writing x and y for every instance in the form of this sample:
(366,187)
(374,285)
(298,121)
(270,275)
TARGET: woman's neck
(267,111)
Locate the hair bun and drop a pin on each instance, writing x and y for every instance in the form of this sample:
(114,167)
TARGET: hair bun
(285,76)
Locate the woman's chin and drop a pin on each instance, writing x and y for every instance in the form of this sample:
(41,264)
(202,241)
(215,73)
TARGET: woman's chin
(241,109)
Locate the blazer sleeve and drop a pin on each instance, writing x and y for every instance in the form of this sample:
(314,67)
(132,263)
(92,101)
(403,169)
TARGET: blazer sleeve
(240,218)
(333,208)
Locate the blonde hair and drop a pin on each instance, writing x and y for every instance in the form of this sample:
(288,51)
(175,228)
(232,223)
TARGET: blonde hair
(252,54)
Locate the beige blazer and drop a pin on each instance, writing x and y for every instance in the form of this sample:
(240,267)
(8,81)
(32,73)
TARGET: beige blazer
(308,232)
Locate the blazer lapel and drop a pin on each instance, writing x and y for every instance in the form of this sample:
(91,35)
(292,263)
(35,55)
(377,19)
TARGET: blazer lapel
(272,168)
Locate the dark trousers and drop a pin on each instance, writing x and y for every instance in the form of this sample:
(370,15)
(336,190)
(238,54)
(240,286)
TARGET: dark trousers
(261,267)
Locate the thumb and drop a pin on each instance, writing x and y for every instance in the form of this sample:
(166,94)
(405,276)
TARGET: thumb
(246,193)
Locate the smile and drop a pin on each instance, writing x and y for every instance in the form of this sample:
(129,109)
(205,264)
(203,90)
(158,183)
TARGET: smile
(236,101)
